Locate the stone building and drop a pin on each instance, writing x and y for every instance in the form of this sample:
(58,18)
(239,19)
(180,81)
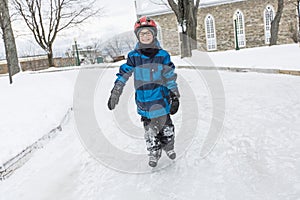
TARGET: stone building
(216,23)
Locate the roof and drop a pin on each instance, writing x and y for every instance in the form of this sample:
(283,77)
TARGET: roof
(159,7)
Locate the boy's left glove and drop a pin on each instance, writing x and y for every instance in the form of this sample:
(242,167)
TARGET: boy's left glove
(115,95)
(174,102)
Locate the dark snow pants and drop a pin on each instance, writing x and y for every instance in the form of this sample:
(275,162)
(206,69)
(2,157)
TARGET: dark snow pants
(159,133)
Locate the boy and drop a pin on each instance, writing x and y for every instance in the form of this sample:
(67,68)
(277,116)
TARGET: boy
(156,94)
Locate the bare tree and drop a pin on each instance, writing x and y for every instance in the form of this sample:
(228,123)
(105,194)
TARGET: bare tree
(275,23)
(295,30)
(120,44)
(298,9)
(130,40)
(115,46)
(186,14)
(9,40)
(96,44)
(46,19)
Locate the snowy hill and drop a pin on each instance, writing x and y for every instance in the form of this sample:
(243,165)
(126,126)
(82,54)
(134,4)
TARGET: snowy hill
(237,134)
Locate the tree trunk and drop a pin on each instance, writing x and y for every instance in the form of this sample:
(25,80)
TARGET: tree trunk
(186,50)
(193,35)
(275,23)
(298,9)
(186,13)
(192,23)
(185,45)
(9,40)
(50,58)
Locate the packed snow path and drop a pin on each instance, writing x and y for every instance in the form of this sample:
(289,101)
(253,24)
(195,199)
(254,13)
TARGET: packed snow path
(256,157)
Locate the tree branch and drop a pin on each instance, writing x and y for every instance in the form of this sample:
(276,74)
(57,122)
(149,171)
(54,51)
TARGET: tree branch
(175,8)
(45,19)
(196,7)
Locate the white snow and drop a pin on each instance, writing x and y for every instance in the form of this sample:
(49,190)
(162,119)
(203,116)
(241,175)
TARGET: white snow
(30,107)
(256,157)
(275,57)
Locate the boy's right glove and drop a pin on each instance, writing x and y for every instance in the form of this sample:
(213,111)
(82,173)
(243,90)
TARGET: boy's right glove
(174,102)
(115,95)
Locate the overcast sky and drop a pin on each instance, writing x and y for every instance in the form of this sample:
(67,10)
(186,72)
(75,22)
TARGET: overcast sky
(118,16)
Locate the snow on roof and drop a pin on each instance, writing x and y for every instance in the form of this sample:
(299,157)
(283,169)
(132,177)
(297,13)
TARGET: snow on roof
(158,7)
(151,7)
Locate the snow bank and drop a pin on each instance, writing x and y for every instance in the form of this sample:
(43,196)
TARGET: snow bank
(31,107)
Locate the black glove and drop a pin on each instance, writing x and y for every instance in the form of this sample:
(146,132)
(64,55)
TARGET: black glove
(174,97)
(115,95)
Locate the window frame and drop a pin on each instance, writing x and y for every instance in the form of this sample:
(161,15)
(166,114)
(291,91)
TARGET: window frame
(241,34)
(267,22)
(210,30)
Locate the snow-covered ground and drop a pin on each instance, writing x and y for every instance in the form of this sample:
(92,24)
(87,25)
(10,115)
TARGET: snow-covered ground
(32,106)
(274,57)
(256,155)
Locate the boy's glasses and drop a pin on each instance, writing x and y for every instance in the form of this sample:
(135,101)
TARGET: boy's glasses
(142,34)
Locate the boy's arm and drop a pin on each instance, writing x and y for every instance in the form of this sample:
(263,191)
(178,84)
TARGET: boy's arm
(125,71)
(170,76)
(170,82)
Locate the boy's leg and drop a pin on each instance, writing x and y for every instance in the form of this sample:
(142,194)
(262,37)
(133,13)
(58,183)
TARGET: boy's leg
(167,137)
(152,141)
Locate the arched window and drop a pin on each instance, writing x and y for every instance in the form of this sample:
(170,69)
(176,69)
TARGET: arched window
(240,28)
(268,18)
(210,31)
(298,8)
(298,17)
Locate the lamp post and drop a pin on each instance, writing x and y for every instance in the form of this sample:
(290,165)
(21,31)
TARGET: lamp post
(236,34)
(77,54)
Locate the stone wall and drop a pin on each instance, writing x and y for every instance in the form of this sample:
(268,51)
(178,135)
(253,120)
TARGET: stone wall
(39,64)
(253,11)
(3,68)
(169,31)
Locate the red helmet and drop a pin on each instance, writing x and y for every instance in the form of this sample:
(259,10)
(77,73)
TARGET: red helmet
(145,22)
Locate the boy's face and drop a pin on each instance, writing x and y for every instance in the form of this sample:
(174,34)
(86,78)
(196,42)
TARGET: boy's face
(145,36)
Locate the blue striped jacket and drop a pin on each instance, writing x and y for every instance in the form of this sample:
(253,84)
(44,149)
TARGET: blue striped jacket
(154,78)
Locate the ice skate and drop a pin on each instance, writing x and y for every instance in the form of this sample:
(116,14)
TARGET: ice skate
(154,156)
(171,154)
